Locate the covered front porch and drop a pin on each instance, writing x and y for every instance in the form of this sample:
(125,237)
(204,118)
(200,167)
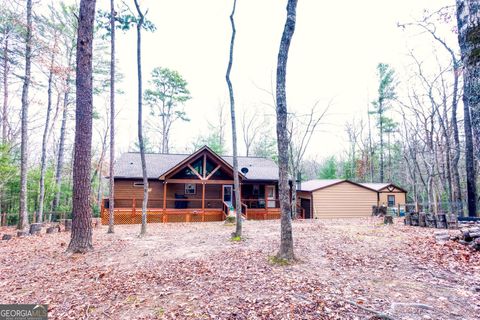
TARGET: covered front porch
(197,202)
(198,189)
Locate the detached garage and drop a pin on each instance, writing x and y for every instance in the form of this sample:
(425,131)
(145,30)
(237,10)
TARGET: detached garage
(335,199)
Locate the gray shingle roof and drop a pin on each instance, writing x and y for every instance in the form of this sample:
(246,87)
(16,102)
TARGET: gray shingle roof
(128,165)
(312,185)
(376,186)
(380,186)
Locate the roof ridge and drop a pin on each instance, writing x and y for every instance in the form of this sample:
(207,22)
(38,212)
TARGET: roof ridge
(187,154)
(159,153)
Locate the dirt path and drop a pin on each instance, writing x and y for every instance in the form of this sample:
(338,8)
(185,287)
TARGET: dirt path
(193,271)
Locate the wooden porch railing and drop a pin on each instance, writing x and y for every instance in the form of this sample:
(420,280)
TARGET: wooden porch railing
(226,209)
(130,211)
(244,210)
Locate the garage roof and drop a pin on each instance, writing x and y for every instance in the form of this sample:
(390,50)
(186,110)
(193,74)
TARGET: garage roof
(316,184)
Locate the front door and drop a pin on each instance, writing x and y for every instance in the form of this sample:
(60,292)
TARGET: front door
(305,204)
(270,195)
(227,194)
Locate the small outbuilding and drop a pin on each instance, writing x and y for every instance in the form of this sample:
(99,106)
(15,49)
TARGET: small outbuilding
(388,194)
(336,198)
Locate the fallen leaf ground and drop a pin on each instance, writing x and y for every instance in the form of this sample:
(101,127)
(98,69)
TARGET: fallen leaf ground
(193,271)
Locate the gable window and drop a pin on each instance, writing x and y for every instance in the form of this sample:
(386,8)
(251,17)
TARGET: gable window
(209,166)
(186,173)
(198,166)
(391,200)
(190,188)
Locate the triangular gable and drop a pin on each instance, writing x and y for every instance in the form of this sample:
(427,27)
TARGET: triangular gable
(392,188)
(192,157)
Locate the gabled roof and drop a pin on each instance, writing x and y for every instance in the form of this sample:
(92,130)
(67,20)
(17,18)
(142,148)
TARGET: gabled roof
(313,185)
(381,186)
(129,166)
(193,156)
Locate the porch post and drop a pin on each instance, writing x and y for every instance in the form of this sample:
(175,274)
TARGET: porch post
(133,210)
(164,195)
(266,202)
(164,201)
(203,196)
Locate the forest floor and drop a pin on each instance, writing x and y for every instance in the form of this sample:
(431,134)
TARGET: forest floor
(346,269)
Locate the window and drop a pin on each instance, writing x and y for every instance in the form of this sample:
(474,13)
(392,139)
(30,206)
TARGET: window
(391,200)
(209,166)
(190,188)
(186,173)
(198,166)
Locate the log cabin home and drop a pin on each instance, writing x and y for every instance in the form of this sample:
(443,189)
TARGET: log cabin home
(192,188)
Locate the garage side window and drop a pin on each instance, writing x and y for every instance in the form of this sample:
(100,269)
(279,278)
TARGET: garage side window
(391,200)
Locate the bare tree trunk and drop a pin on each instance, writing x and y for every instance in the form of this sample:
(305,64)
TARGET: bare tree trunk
(99,169)
(111,202)
(143,230)
(43,161)
(370,146)
(5,107)
(468,19)
(81,239)
(457,190)
(61,149)
(6,70)
(286,237)
(236,181)
(23,218)
(164,137)
(293,202)
(381,143)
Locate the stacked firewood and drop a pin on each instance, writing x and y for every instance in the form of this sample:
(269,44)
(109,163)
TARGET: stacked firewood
(469,235)
(379,210)
(431,220)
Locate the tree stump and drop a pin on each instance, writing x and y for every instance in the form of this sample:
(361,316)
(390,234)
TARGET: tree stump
(414,218)
(22,234)
(383,210)
(96,222)
(422,219)
(408,219)
(388,219)
(68,224)
(430,220)
(7,237)
(35,228)
(475,244)
(452,221)
(53,229)
(441,221)
(61,222)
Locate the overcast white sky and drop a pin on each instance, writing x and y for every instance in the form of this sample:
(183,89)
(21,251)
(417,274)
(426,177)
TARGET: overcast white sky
(333,57)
